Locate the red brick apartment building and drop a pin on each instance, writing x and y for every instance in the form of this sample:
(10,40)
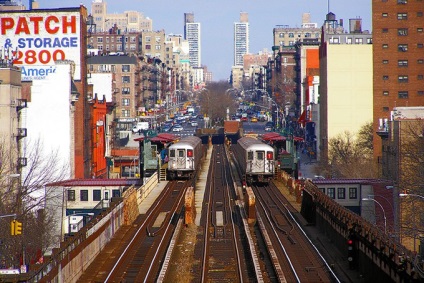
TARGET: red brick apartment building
(398,60)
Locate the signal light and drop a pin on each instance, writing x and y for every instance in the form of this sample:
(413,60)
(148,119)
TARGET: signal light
(15,228)
(269,155)
(190,153)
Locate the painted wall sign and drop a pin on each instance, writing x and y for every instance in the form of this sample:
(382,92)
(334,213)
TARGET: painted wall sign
(38,39)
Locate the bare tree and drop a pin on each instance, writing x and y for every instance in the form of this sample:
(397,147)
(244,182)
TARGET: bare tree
(215,99)
(410,178)
(26,196)
(350,156)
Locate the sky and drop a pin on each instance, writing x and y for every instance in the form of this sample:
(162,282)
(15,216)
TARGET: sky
(217,19)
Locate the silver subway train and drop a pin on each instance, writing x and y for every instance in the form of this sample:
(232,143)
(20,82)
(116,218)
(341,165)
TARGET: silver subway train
(184,157)
(255,159)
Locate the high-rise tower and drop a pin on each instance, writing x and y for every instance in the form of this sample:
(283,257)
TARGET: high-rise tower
(192,35)
(241,39)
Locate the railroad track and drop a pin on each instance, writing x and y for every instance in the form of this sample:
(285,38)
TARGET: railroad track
(294,257)
(220,250)
(141,253)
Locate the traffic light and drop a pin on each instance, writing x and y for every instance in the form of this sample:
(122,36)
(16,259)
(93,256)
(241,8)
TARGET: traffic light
(351,252)
(15,228)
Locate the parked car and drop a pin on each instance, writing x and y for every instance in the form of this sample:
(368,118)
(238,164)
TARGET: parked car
(194,124)
(177,128)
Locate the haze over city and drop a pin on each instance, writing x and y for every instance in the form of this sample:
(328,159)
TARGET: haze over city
(217,19)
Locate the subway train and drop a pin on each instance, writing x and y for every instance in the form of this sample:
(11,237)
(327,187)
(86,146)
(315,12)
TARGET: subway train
(184,158)
(255,159)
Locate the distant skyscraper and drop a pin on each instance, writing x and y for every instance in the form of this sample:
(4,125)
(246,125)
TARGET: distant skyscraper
(241,39)
(192,35)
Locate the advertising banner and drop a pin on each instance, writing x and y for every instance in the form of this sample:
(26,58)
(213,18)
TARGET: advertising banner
(37,39)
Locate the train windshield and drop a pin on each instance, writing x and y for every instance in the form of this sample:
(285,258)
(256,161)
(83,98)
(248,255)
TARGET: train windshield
(260,155)
(172,153)
(250,155)
(181,153)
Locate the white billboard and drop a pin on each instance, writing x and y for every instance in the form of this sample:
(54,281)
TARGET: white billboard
(38,39)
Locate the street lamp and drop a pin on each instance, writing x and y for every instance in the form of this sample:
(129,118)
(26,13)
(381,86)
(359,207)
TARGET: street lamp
(278,111)
(412,195)
(384,213)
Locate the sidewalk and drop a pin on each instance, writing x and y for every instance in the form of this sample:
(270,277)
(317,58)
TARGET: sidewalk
(306,166)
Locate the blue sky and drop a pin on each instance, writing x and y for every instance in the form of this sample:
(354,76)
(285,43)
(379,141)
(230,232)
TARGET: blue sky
(218,16)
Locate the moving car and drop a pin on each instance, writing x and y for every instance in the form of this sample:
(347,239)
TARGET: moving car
(177,128)
(269,126)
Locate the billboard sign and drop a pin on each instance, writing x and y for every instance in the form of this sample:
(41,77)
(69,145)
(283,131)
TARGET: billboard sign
(37,39)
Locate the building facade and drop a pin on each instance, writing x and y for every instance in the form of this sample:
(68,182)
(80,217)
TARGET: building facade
(398,59)
(129,21)
(192,34)
(345,82)
(241,38)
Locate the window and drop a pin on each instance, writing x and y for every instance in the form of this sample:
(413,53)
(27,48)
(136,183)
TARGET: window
(84,195)
(402,47)
(341,193)
(385,61)
(308,34)
(384,15)
(420,92)
(385,92)
(358,40)
(125,113)
(402,1)
(403,94)
(99,39)
(157,47)
(125,90)
(322,190)
(71,195)
(385,78)
(385,109)
(250,155)
(97,195)
(385,46)
(172,153)
(148,47)
(385,30)
(281,35)
(419,30)
(291,34)
(260,155)
(419,77)
(125,102)
(403,78)
(419,14)
(402,31)
(125,68)
(420,61)
(353,193)
(403,63)
(125,79)
(420,45)
(116,193)
(402,16)
(349,40)
(330,193)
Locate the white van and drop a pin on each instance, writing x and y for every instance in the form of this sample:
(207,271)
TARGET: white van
(140,126)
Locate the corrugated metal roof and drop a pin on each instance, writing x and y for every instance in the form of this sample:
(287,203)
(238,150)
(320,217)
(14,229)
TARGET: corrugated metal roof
(95,182)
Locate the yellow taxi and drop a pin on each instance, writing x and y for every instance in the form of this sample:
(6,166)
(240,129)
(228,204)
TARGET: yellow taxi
(253,120)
